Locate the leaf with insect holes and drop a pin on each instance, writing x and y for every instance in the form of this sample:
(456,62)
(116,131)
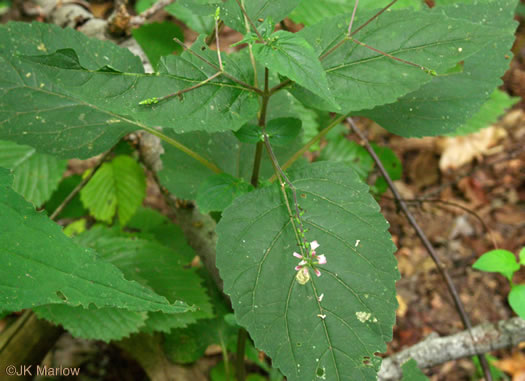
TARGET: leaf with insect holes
(118,187)
(292,56)
(40,265)
(76,105)
(36,176)
(447,102)
(333,325)
(498,261)
(310,12)
(361,78)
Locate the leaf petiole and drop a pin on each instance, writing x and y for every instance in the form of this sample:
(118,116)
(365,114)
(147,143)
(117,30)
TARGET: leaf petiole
(156,100)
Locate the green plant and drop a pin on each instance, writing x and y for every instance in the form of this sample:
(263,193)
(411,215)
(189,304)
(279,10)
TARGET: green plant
(303,250)
(505,263)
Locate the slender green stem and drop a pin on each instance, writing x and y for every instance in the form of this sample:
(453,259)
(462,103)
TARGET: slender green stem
(229,76)
(225,357)
(295,216)
(183,148)
(350,33)
(186,49)
(239,360)
(391,56)
(256,164)
(353,17)
(282,186)
(261,123)
(249,20)
(347,37)
(186,90)
(280,86)
(334,48)
(310,143)
(218,44)
(250,50)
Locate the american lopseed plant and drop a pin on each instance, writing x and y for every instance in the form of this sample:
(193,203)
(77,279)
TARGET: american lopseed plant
(302,249)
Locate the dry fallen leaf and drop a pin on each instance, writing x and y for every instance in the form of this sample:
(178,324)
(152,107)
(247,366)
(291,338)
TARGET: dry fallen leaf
(460,150)
(402,309)
(513,365)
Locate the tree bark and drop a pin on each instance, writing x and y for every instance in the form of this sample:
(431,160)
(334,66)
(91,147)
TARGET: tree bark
(438,350)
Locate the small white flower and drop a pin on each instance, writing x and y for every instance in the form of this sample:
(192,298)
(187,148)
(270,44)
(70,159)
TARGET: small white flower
(321,259)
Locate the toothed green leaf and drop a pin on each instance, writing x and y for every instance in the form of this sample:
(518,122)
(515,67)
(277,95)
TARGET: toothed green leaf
(41,265)
(292,56)
(36,176)
(81,95)
(333,325)
(118,187)
(361,78)
(447,102)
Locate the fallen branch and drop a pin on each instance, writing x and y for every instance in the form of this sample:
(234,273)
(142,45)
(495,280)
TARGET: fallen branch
(438,350)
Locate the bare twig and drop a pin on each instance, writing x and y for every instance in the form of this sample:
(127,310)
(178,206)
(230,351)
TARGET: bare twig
(143,16)
(456,205)
(438,350)
(426,242)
